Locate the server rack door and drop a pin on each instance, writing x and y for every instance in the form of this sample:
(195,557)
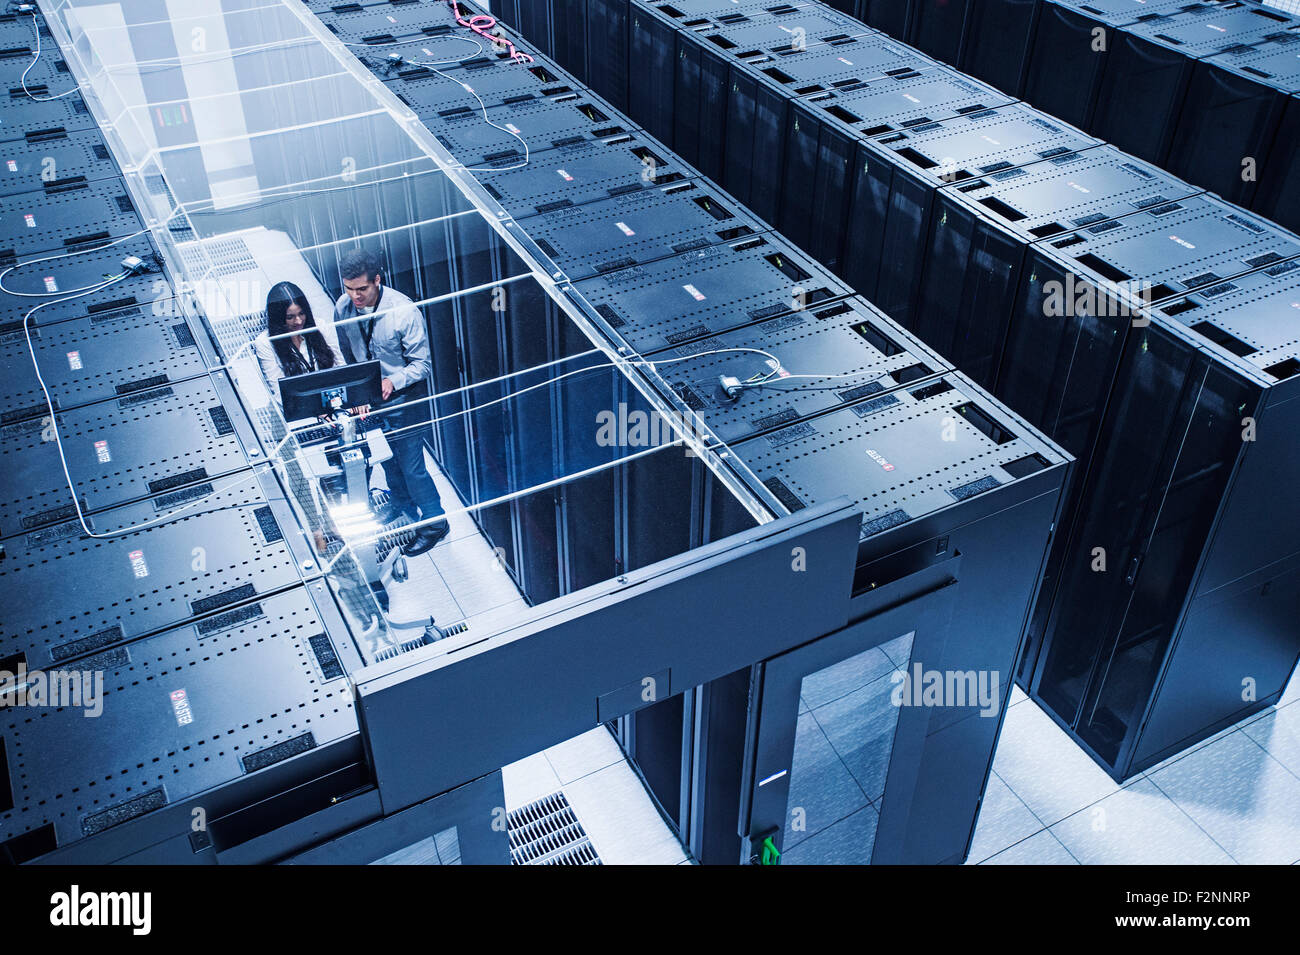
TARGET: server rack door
(938,26)
(607,50)
(891,16)
(873,182)
(1140,96)
(1226,127)
(651,66)
(1110,627)
(903,245)
(1065,64)
(836,702)
(995,48)
(1278,193)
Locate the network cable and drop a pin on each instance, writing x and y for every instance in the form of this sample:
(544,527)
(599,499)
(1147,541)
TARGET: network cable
(35,57)
(481,24)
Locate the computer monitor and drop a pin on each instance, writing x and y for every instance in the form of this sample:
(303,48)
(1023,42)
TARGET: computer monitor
(313,394)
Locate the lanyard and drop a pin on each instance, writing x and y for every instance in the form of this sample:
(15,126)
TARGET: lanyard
(368,328)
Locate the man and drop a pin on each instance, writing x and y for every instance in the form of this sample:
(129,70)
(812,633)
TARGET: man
(379,323)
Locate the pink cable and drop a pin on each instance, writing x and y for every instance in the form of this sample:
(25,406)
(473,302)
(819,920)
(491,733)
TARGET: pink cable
(481,24)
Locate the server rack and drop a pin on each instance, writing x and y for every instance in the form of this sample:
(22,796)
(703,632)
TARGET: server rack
(25,112)
(154,439)
(1228,137)
(857,351)
(938,27)
(700,293)
(1278,195)
(381,22)
(67,214)
(930,464)
(638,227)
(585,172)
(37,159)
(1135,664)
(84,359)
(85,269)
(758,107)
(981,229)
(1071,43)
(542,123)
(1150,65)
(831,173)
(997,41)
(494,83)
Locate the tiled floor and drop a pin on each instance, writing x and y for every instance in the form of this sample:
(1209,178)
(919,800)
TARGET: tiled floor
(1234,798)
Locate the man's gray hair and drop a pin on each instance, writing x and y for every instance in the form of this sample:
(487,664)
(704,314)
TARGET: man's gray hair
(359,263)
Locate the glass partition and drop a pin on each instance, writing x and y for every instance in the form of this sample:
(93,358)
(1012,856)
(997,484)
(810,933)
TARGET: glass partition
(476,445)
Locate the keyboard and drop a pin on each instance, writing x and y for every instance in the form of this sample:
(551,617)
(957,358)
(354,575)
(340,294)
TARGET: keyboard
(319,434)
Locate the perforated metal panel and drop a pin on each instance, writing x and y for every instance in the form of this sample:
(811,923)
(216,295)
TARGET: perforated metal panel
(26,111)
(384,21)
(226,545)
(639,227)
(154,439)
(902,456)
(66,214)
(758,33)
(584,172)
(495,82)
(547,832)
(849,349)
(27,164)
(836,65)
(188,711)
(84,360)
(542,122)
(677,300)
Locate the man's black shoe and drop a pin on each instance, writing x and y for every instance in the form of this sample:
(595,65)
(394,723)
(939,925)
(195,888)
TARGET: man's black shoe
(426,538)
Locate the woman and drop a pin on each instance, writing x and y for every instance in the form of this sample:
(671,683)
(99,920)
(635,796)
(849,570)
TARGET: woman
(292,344)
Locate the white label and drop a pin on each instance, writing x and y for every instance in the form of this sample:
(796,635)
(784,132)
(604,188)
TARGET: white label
(13,166)
(624,229)
(30,220)
(695,293)
(74,360)
(564,175)
(101,452)
(50,284)
(138,565)
(513,128)
(879,459)
(1183,242)
(181,708)
(911,97)
(844,61)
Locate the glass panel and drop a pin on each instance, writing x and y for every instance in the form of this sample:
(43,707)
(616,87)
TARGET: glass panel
(440,849)
(843,743)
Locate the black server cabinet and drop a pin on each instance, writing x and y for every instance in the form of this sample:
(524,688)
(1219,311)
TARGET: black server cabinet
(1150,64)
(525,127)
(841,352)
(939,468)
(494,83)
(386,24)
(84,360)
(1174,615)
(1070,45)
(638,227)
(822,149)
(608,56)
(652,63)
(938,27)
(266,680)
(1227,137)
(25,112)
(154,439)
(36,160)
(87,269)
(981,228)
(995,47)
(584,172)
(66,215)
(889,16)
(758,107)
(671,302)
(1278,195)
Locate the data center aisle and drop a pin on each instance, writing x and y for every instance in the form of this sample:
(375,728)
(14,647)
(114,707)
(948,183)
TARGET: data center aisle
(1233,798)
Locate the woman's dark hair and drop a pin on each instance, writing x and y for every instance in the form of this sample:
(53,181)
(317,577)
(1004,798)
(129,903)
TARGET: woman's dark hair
(277,305)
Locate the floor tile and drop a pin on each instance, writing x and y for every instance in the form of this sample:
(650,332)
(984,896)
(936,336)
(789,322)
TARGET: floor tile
(623,824)
(848,842)
(1042,848)
(899,650)
(475,576)
(584,755)
(1247,801)
(1279,733)
(528,780)
(844,677)
(860,726)
(1017,695)
(1003,821)
(1045,768)
(1137,825)
(822,790)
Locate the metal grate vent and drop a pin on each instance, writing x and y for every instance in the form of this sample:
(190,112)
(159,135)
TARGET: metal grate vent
(547,832)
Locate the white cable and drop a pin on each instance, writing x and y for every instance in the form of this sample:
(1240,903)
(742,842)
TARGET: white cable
(64,255)
(483,109)
(36,56)
(421,39)
(58,440)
